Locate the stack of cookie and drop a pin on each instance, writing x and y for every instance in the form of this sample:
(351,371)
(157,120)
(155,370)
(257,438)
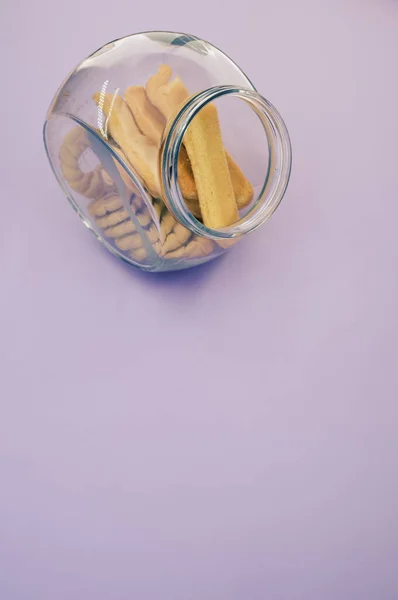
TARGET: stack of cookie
(170,239)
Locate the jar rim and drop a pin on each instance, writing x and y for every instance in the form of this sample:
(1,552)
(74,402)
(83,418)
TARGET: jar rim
(279,163)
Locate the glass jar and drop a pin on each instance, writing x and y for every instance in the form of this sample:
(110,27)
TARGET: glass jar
(165,149)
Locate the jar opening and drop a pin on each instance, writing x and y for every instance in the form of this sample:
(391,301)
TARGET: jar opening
(264,154)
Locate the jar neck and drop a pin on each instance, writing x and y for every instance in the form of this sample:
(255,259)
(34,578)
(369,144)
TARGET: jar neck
(279,162)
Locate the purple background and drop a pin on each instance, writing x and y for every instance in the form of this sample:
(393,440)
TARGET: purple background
(224,433)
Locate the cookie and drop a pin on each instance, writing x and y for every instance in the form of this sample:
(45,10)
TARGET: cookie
(88,183)
(150,121)
(104,206)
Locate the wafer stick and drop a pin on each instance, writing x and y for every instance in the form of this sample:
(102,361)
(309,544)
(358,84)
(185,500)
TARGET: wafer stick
(140,152)
(151,122)
(205,149)
(168,96)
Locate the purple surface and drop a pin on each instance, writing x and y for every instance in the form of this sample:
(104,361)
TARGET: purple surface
(229,432)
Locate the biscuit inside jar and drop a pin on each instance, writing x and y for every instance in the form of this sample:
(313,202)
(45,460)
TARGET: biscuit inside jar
(217,186)
(212,184)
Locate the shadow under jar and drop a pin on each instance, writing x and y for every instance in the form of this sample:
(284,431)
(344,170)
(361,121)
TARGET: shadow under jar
(165,150)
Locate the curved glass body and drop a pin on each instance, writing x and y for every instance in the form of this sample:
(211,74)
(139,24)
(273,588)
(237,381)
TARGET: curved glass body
(165,149)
